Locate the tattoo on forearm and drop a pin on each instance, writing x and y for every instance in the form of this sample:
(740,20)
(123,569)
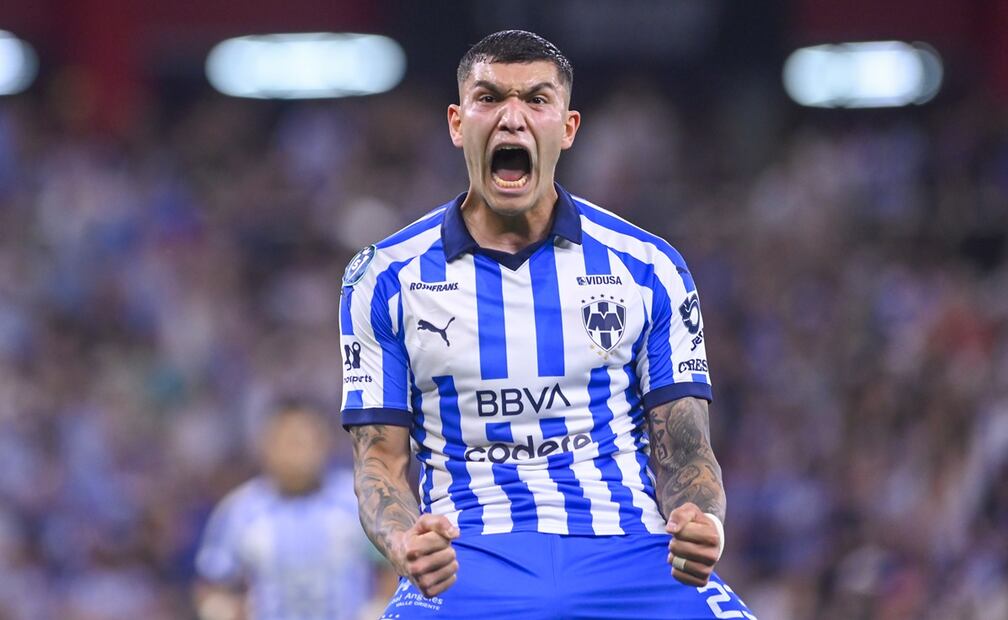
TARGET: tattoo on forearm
(682,459)
(386,505)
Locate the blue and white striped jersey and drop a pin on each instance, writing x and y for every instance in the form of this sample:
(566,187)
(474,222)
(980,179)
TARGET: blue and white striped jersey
(300,557)
(524,378)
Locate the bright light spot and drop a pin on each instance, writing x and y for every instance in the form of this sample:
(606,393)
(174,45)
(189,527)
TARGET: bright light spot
(305,66)
(863,75)
(18,64)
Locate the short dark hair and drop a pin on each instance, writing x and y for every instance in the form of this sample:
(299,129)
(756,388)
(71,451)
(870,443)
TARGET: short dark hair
(287,404)
(516,46)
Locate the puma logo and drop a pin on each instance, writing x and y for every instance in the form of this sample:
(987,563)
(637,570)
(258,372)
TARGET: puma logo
(427,325)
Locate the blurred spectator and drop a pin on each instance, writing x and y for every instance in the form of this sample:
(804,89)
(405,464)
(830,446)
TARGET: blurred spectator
(287,544)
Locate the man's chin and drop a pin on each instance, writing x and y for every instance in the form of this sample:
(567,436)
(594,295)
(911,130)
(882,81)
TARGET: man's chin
(510,206)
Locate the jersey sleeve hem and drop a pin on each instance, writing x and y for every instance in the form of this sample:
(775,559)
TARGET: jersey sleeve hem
(376,415)
(668,393)
(216,567)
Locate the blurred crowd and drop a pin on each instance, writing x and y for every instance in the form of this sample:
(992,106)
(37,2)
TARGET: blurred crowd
(158,290)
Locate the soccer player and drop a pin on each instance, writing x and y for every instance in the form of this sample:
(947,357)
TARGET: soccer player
(536,349)
(286,544)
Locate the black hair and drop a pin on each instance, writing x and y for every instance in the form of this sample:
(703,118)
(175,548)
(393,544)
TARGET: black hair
(288,404)
(516,46)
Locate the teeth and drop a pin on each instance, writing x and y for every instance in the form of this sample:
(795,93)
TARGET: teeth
(511,184)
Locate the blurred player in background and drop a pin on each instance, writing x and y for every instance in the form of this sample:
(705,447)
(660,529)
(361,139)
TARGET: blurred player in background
(525,339)
(287,544)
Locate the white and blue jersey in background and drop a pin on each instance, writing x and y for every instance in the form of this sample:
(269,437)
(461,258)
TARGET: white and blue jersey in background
(299,557)
(524,378)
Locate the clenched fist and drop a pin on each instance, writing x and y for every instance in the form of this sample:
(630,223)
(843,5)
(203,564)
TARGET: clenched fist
(425,555)
(695,546)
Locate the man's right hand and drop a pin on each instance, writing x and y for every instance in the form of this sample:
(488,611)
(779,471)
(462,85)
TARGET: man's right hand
(426,556)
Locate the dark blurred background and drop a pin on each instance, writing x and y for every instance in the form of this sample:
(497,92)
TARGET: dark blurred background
(170,261)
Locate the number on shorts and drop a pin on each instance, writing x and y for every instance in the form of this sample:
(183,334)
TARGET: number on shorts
(723,595)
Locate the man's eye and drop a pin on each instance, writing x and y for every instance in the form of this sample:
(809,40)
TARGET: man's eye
(538,99)
(485,98)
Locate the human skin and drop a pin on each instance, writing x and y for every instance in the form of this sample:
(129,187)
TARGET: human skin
(514,104)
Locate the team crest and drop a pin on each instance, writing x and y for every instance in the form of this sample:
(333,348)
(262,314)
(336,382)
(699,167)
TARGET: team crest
(604,320)
(358,265)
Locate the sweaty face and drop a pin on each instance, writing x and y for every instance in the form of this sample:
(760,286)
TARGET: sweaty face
(295,451)
(511,123)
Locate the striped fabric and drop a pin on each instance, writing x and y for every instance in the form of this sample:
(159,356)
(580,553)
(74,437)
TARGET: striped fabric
(524,379)
(299,557)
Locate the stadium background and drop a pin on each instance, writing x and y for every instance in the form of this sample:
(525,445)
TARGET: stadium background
(169,260)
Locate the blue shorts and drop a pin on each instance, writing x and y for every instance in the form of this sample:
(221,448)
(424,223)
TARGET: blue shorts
(535,576)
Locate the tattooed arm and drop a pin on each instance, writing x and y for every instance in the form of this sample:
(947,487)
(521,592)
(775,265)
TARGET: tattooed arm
(386,505)
(688,485)
(682,459)
(419,547)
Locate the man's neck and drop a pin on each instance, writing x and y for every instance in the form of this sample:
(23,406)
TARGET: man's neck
(511,234)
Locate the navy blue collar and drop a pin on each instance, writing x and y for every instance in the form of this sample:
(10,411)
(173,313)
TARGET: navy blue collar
(457,241)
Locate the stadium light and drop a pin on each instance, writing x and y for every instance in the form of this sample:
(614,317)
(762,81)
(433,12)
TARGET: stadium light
(863,75)
(18,64)
(305,66)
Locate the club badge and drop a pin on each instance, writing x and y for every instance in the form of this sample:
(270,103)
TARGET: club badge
(604,320)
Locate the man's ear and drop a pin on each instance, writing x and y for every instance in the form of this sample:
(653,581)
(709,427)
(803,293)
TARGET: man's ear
(455,124)
(571,128)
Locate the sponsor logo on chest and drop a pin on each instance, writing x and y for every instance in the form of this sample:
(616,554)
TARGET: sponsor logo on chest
(515,401)
(598,280)
(434,287)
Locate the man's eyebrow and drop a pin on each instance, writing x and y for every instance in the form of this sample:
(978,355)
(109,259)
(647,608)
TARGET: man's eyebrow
(542,86)
(496,89)
(487,86)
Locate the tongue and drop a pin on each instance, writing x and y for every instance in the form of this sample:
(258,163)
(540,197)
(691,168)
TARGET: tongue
(509,174)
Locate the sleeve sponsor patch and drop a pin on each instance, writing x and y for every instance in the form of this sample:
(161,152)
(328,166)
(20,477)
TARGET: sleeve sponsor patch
(690,313)
(358,265)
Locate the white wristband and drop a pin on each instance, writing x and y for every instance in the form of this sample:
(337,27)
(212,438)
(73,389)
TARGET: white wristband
(720,531)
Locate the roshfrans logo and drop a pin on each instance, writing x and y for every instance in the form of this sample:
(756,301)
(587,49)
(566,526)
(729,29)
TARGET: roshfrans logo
(438,287)
(501,452)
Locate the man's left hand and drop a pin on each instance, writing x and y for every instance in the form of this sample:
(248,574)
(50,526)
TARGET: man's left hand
(695,545)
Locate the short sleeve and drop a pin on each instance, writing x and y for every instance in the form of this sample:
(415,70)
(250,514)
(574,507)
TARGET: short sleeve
(375,363)
(217,559)
(673,361)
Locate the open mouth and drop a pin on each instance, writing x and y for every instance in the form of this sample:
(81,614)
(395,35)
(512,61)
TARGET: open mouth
(510,166)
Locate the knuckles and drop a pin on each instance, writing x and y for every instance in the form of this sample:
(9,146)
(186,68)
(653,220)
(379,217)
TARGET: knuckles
(691,578)
(426,568)
(430,568)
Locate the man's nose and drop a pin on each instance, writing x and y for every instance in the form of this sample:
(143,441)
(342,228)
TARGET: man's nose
(512,116)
